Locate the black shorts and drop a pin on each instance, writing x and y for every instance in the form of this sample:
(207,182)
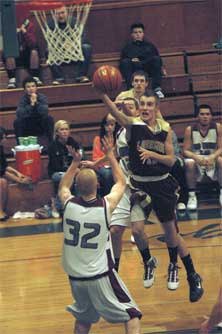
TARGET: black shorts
(164,195)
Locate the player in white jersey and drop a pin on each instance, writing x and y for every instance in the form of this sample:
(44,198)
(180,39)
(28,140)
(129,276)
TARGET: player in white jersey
(87,253)
(203,152)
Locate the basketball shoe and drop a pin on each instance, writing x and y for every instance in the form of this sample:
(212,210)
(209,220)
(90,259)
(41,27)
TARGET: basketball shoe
(38,81)
(82,79)
(219,326)
(149,272)
(173,279)
(192,202)
(159,93)
(132,239)
(12,83)
(196,290)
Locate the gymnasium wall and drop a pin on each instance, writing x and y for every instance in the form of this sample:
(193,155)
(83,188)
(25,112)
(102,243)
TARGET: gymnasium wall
(173,25)
(170,24)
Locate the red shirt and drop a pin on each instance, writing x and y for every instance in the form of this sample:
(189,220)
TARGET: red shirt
(98,153)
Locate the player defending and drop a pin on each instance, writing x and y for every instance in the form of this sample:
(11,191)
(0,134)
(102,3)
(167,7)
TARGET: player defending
(151,157)
(87,254)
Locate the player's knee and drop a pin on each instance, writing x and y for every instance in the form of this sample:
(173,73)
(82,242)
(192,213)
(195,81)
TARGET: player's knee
(125,62)
(117,231)
(219,162)
(137,231)
(190,164)
(3,183)
(170,228)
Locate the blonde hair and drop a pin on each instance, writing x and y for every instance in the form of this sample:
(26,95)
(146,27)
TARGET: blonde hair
(86,181)
(59,124)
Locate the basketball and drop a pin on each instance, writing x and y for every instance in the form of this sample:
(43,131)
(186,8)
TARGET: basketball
(107,79)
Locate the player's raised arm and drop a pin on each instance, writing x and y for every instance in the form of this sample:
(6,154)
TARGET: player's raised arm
(120,117)
(113,109)
(119,179)
(108,79)
(67,180)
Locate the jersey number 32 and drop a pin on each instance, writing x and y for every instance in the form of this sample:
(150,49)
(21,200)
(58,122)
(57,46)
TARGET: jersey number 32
(84,240)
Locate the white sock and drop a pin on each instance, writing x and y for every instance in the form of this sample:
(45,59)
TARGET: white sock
(192,194)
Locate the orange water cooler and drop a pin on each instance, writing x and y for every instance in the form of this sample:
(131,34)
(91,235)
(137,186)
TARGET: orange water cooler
(28,161)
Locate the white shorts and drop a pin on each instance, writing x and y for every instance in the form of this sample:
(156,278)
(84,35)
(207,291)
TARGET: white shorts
(122,216)
(201,171)
(107,297)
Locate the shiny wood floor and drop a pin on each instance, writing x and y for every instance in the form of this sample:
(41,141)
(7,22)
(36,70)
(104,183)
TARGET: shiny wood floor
(34,289)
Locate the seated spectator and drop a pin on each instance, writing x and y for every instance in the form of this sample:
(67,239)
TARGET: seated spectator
(32,118)
(29,55)
(59,154)
(178,172)
(9,173)
(202,150)
(82,66)
(139,54)
(108,128)
(140,82)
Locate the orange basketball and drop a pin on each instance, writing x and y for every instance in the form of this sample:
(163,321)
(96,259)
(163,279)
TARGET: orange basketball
(107,79)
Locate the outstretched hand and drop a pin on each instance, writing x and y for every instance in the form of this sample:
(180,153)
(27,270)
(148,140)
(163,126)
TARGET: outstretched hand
(25,179)
(107,145)
(100,92)
(122,105)
(76,154)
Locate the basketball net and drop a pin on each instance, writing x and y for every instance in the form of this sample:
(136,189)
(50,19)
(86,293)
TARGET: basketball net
(65,45)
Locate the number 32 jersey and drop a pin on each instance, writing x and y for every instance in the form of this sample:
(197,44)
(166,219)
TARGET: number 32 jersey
(87,251)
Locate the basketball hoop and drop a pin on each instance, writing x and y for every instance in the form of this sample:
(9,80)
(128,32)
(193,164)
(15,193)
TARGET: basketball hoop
(64,45)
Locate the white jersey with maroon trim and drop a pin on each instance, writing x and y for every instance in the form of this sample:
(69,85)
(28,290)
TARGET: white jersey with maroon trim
(123,150)
(87,251)
(204,144)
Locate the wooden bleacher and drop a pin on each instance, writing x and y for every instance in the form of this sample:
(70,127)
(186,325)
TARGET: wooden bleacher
(22,198)
(193,76)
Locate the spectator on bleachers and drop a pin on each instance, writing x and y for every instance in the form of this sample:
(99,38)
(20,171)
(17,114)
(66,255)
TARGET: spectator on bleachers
(82,66)
(59,155)
(140,54)
(28,54)
(7,172)
(178,172)
(32,118)
(140,82)
(202,150)
(108,128)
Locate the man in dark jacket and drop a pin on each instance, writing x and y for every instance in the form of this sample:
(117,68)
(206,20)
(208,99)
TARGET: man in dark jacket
(32,117)
(139,54)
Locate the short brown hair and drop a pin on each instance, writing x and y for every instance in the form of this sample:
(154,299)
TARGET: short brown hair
(86,181)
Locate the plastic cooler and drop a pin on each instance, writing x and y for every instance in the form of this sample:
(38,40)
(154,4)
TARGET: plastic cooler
(28,161)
